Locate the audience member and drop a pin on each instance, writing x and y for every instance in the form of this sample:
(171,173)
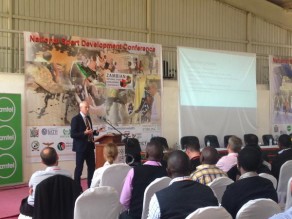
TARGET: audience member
(207,171)
(183,196)
(110,154)
(284,154)
(49,157)
(139,178)
(249,186)
(193,152)
(132,151)
(228,161)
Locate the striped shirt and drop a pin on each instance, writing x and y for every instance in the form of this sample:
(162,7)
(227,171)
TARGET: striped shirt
(206,173)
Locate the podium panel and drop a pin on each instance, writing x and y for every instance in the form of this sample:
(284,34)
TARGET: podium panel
(101,141)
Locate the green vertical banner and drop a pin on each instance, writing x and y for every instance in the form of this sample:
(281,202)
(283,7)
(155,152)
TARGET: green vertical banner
(10,139)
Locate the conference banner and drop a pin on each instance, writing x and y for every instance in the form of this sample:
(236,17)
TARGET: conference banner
(280,74)
(121,80)
(10,139)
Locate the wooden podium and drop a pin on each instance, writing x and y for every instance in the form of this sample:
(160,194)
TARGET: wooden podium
(100,142)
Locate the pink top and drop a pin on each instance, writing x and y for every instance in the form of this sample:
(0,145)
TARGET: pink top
(127,188)
(226,162)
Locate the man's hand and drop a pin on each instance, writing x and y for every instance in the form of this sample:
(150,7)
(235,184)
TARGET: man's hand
(88,131)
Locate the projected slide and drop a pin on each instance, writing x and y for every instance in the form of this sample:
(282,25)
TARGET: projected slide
(213,78)
(217,93)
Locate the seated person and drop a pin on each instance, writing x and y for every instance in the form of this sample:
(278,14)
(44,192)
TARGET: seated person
(132,151)
(249,186)
(182,196)
(207,171)
(110,154)
(139,178)
(49,157)
(234,146)
(193,152)
(284,154)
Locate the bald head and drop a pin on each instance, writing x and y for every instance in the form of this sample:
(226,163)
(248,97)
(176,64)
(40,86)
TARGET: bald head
(209,155)
(84,107)
(178,164)
(154,151)
(49,156)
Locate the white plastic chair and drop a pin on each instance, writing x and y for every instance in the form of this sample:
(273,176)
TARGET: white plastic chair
(210,212)
(218,185)
(21,216)
(284,176)
(114,176)
(289,195)
(155,186)
(270,177)
(99,202)
(261,208)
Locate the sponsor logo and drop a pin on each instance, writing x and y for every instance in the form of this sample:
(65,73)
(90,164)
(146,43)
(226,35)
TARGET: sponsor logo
(289,128)
(34,132)
(7,109)
(48,144)
(7,137)
(66,133)
(61,146)
(44,131)
(35,145)
(50,131)
(7,166)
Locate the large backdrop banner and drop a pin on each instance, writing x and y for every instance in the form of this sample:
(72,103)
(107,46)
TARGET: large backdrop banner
(281,94)
(121,80)
(10,139)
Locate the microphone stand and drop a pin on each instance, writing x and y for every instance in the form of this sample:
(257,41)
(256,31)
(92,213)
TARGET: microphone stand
(111,125)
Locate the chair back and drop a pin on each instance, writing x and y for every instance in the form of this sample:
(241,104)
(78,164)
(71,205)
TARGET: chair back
(284,176)
(250,139)
(155,186)
(289,195)
(226,138)
(270,177)
(98,202)
(261,208)
(188,139)
(213,141)
(55,198)
(114,176)
(218,186)
(266,139)
(210,212)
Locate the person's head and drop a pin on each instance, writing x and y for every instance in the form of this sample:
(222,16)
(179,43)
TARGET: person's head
(192,149)
(49,156)
(84,107)
(209,155)
(249,159)
(234,144)
(154,151)
(110,152)
(284,141)
(178,164)
(153,88)
(132,151)
(251,139)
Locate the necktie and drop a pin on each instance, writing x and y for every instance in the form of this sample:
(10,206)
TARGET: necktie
(90,136)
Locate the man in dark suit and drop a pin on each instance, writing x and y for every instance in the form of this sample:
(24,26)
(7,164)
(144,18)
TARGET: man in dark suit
(182,196)
(284,154)
(83,144)
(249,186)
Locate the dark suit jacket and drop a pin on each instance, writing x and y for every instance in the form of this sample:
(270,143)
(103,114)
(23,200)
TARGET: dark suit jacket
(244,190)
(80,140)
(279,160)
